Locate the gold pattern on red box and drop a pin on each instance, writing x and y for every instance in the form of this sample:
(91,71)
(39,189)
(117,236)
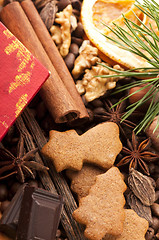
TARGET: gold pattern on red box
(21,76)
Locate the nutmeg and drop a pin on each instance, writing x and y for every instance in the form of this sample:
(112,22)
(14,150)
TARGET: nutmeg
(155,209)
(74,49)
(4,205)
(3,192)
(69,60)
(155,223)
(153,135)
(139,95)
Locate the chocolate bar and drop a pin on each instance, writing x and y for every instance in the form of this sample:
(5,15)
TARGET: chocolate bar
(39,215)
(9,220)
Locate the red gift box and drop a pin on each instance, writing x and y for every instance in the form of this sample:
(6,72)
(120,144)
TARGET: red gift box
(21,76)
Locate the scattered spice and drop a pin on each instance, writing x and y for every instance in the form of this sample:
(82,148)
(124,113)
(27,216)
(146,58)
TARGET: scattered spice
(48,13)
(138,207)
(93,85)
(142,186)
(113,114)
(152,131)
(39,4)
(20,165)
(137,154)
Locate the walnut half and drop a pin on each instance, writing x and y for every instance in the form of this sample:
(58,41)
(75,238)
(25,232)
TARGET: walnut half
(86,59)
(62,35)
(94,86)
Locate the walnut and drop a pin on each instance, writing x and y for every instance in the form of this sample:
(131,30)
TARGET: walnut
(56,34)
(86,59)
(94,86)
(73,22)
(62,35)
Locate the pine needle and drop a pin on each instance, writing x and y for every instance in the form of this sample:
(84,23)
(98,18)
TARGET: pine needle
(142,41)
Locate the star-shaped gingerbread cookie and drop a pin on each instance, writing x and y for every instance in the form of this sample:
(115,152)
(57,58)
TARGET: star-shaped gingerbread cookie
(99,145)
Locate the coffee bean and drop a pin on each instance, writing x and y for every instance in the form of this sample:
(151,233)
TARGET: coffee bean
(76,13)
(74,49)
(69,60)
(157,234)
(76,4)
(35,101)
(155,176)
(79,31)
(157,169)
(3,192)
(99,111)
(76,40)
(14,141)
(10,134)
(157,184)
(63,4)
(14,188)
(156,195)
(47,123)
(155,223)
(149,234)
(4,205)
(155,209)
(33,183)
(41,110)
(97,103)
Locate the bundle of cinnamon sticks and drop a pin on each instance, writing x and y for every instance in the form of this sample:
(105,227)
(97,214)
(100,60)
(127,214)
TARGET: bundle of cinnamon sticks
(59,91)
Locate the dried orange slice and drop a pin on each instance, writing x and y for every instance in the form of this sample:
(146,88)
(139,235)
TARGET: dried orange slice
(94,12)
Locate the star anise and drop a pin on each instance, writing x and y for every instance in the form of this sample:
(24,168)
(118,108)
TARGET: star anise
(114,114)
(21,165)
(137,154)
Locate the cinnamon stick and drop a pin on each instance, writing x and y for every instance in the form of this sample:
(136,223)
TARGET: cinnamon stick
(55,95)
(53,53)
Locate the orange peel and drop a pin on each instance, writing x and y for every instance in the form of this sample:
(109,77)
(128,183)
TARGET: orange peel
(112,11)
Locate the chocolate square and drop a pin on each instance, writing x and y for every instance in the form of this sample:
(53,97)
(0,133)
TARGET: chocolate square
(39,215)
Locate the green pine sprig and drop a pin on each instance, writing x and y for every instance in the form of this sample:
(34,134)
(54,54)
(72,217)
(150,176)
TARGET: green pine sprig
(143,41)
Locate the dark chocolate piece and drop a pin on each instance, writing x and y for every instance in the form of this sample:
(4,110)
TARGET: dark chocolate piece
(39,215)
(9,220)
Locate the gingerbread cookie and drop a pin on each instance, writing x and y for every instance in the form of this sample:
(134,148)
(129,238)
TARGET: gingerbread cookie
(99,145)
(81,181)
(135,227)
(102,211)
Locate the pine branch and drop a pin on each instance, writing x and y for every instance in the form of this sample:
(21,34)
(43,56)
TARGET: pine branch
(143,41)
